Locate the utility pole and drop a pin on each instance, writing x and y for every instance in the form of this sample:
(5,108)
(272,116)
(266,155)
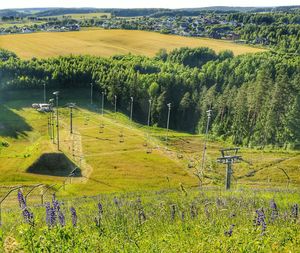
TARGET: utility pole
(44,84)
(228,157)
(71,106)
(51,102)
(168,121)
(56,93)
(53,132)
(91,93)
(102,100)
(148,124)
(115,104)
(149,112)
(131,107)
(49,129)
(208,112)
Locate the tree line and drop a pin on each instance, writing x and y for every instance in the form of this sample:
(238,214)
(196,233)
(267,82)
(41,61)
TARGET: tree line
(255,98)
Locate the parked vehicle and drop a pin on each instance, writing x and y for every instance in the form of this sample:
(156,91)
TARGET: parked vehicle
(42,107)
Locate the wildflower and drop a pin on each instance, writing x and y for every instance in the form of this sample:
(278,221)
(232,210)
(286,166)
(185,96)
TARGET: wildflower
(182,215)
(28,216)
(21,200)
(74,216)
(274,208)
(100,209)
(61,219)
(295,211)
(229,232)
(50,215)
(100,213)
(56,205)
(260,220)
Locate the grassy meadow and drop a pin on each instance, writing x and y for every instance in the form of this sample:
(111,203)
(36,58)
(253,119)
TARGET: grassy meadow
(156,221)
(108,43)
(135,192)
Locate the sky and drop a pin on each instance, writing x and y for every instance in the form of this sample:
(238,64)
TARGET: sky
(5,4)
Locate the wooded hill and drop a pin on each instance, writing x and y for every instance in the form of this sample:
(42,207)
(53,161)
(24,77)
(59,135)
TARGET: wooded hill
(255,98)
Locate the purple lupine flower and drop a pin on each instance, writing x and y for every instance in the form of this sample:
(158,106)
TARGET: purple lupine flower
(260,220)
(53,216)
(28,216)
(100,212)
(182,215)
(61,219)
(229,232)
(295,211)
(273,204)
(50,215)
(100,209)
(74,216)
(21,200)
(56,205)
(274,208)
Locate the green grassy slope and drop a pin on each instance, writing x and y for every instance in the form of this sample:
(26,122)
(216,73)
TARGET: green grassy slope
(108,165)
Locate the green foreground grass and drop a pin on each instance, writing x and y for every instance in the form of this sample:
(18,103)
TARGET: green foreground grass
(208,220)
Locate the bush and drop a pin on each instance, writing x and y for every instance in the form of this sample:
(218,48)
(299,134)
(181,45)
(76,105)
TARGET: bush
(4,144)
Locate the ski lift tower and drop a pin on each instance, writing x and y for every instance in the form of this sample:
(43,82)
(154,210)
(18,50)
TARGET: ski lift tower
(229,156)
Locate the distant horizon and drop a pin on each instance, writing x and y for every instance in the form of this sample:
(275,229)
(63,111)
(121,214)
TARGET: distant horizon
(200,7)
(143,4)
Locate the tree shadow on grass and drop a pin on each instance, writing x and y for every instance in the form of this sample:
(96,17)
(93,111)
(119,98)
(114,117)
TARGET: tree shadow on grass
(12,124)
(54,164)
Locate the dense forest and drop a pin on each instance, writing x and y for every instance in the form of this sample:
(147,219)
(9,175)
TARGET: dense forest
(255,98)
(278,30)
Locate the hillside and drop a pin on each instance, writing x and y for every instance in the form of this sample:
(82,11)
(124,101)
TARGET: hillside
(108,43)
(112,155)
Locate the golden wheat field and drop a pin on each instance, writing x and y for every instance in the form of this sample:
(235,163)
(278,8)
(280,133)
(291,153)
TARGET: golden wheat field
(107,43)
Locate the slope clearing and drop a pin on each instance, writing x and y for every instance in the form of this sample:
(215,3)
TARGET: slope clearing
(112,154)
